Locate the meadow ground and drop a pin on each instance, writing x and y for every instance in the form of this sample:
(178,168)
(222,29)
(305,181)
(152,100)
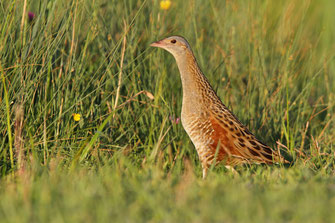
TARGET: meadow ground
(89,113)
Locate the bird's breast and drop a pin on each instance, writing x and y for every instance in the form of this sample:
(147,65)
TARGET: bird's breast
(198,127)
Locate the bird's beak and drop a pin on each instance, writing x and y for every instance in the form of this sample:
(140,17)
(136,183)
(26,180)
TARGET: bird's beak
(157,44)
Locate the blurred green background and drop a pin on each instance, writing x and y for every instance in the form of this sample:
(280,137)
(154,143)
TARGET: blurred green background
(128,158)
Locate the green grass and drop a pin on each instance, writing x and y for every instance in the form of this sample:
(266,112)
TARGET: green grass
(271,62)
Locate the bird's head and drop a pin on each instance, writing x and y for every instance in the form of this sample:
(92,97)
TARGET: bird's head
(176,45)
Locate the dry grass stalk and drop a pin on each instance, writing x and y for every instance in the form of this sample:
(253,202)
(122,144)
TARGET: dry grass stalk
(18,138)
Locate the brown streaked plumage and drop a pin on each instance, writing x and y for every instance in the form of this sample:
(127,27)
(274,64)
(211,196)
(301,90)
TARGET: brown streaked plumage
(214,130)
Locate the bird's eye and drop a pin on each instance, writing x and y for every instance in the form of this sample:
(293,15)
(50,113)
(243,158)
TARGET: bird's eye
(173,41)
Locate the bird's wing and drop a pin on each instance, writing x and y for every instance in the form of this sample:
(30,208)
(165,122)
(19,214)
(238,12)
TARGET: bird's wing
(234,140)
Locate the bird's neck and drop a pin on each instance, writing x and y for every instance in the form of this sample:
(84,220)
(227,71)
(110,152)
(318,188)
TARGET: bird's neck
(191,76)
(193,81)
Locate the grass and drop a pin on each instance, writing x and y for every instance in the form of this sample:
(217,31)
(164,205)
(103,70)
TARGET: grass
(271,62)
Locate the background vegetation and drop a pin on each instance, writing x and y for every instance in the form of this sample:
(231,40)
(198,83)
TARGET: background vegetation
(128,157)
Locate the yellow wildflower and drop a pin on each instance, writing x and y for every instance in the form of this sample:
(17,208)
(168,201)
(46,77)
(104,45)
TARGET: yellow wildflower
(76,117)
(165,4)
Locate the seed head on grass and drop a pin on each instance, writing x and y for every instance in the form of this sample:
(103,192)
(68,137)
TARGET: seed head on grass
(174,120)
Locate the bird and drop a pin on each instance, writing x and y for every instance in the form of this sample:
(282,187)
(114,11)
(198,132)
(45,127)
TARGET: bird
(217,134)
